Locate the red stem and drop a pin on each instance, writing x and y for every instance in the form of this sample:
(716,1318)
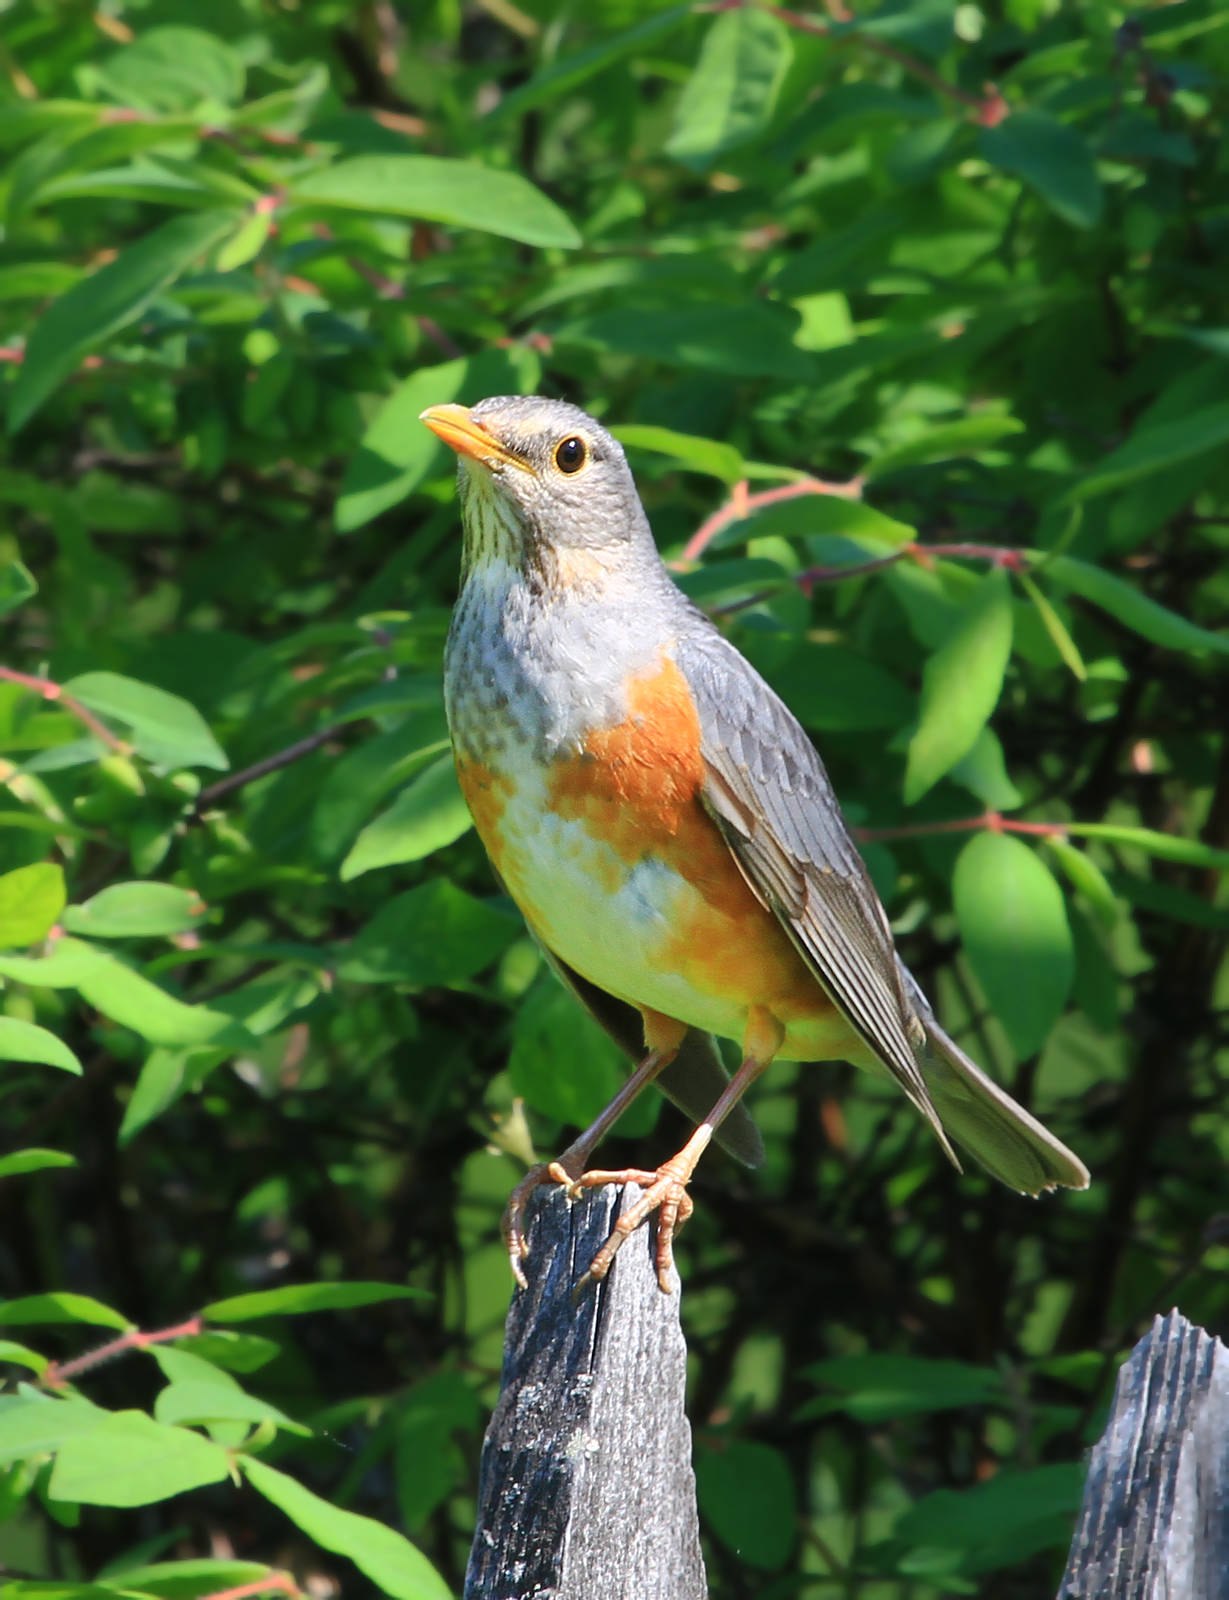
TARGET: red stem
(990,821)
(58,1373)
(273,1583)
(741,505)
(53,693)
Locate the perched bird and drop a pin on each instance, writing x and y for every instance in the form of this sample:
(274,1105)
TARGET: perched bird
(666,826)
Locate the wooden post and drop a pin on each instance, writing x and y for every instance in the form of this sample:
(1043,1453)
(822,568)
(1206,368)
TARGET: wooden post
(586,1486)
(1154,1524)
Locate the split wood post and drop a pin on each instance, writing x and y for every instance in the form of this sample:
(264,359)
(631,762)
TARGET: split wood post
(1154,1524)
(586,1486)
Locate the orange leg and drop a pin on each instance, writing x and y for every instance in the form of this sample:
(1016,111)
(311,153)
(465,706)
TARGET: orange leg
(569,1167)
(666,1189)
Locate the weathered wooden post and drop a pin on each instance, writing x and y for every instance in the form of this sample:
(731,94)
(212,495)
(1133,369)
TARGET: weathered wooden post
(586,1486)
(1154,1524)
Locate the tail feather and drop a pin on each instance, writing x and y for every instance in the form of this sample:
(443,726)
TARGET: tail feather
(985,1121)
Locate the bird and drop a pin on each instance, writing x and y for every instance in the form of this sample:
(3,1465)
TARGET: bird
(667,828)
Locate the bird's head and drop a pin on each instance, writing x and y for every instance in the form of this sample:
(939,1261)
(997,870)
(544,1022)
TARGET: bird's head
(543,488)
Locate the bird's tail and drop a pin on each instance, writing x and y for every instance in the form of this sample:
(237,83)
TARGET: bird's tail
(985,1121)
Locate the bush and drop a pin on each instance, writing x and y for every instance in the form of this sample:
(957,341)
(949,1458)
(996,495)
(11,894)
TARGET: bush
(914,325)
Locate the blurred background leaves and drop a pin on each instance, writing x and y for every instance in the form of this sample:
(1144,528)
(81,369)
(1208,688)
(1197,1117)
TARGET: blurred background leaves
(913,318)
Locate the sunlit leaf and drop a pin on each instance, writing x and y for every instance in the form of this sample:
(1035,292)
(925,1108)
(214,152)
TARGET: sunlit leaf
(98,307)
(1014,928)
(961,684)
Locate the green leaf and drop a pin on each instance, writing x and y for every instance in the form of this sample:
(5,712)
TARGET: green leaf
(295,1299)
(66,963)
(202,1401)
(189,1580)
(428,815)
(433,935)
(164,729)
(33,1160)
(569,71)
(966,437)
(746,1493)
(1153,448)
(864,533)
(1168,846)
(17,585)
(983,772)
(26,1041)
(22,1356)
(1133,610)
(1052,158)
(562,1063)
(168,1075)
(36,1424)
(438,189)
(1055,627)
(756,342)
(136,911)
(174,68)
(1086,878)
(1014,928)
(131,1460)
(390,1561)
(235,1352)
(31,899)
(129,998)
(961,684)
(731,93)
(878,1387)
(693,454)
(397,453)
(835,690)
(59,1306)
(1005,1504)
(98,307)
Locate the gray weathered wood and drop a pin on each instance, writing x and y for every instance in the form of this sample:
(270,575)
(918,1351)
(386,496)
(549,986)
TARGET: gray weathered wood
(586,1487)
(1154,1524)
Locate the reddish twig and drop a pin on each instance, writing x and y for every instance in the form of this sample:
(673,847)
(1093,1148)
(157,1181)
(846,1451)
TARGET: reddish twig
(58,1373)
(272,1583)
(54,695)
(741,504)
(988,822)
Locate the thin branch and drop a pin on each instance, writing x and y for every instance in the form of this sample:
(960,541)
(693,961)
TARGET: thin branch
(58,1373)
(741,505)
(54,694)
(988,822)
(261,769)
(271,1583)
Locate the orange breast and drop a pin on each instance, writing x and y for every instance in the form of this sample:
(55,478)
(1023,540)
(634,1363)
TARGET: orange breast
(629,833)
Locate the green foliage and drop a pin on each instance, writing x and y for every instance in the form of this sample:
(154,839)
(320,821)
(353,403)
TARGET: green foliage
(963,265)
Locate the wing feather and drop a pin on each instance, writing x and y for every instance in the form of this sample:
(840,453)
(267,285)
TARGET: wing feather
(767,790)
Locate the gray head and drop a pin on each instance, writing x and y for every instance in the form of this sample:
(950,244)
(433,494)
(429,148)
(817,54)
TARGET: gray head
(543,487)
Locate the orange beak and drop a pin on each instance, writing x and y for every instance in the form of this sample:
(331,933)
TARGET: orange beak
(460,432)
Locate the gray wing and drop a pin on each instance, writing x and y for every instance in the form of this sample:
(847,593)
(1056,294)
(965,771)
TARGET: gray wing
(768,792)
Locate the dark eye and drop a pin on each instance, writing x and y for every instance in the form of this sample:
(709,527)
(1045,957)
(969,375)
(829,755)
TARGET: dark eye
(571,454)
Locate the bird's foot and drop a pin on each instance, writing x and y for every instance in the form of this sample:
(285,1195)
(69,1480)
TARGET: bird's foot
(512,1223)
(665,1191)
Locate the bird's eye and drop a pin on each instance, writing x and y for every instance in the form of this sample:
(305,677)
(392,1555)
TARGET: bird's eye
(571,454)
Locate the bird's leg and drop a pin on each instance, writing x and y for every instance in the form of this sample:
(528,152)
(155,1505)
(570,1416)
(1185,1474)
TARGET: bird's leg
(570,1166)
(666,1189)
